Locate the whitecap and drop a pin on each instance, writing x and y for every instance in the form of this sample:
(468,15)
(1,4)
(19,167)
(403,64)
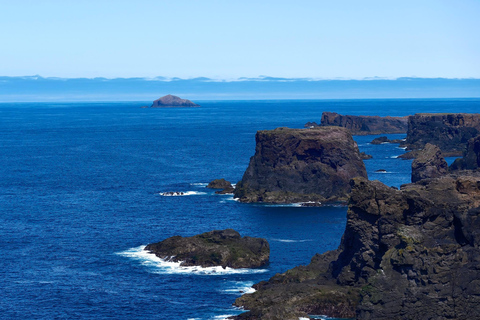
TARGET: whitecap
(403,148)
(393,157)
(240,287)
(181,193)
(292,241)
(201,184)
(161,266)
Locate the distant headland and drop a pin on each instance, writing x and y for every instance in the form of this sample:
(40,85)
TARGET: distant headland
(171,101)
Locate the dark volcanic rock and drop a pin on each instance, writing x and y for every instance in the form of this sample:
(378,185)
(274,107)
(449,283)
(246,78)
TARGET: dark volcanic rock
(429,164)
(366,125)
(365,156)
(219,184)
(299,165)
(449,131)
(380,140)
(224,248)
(471,157)
(405,254)
(172,101)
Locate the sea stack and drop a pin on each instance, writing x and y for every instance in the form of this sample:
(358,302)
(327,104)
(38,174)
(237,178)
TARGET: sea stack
(171,101)
(299,165)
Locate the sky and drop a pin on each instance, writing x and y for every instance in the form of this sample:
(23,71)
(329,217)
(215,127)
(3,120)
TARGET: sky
(223,39)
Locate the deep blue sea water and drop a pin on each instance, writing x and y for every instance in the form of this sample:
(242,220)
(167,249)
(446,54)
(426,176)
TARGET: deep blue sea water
(79,197)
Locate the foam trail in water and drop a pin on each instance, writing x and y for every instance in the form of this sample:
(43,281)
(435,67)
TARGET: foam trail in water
(201,184)
(181,193)
(240,288)
(291,241)
(161,266)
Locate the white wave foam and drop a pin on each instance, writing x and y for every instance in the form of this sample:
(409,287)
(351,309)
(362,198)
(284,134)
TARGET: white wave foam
(241,287)
(403,148)
(181,193)
(291,241)
(161,266)
(201,184)
(393,157)
(223,317)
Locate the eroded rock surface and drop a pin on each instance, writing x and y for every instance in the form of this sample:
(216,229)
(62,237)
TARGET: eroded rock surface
(406,254)
(300,165)
(429,164)
(223,184)
(449,131)
(471,156)
(365,125)
(224,248)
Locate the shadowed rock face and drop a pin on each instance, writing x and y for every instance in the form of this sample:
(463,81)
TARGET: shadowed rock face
(224,248)
(471,156)
(406,254)
(365,125)
(172,101)
(449,131)
(295,165)
(429,164)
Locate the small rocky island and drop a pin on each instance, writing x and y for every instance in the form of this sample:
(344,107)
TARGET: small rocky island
(225,248)
(364,125)
(171,101)
(301,165)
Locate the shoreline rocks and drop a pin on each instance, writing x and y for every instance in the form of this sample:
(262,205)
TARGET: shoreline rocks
(171,101)
(301,165)
(223,184)
(225,248)
(429,164)
(405,254)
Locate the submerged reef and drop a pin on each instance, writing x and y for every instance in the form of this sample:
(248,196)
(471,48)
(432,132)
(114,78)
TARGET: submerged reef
(299,165)
(224,248)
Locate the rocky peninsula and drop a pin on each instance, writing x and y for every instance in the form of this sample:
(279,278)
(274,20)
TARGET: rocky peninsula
(300,165)
(224,248)
(405,254)
(171,101)
(364,125)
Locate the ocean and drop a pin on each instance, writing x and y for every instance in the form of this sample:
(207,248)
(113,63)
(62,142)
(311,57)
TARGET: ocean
(80,188)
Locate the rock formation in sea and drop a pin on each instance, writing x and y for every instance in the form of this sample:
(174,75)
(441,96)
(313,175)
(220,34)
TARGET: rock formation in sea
(471,156)
(411,253)
(449,131)
(223,184)
(381,140)
(170,101)
(224,248)
(299,165)
(365,125)
(429,164)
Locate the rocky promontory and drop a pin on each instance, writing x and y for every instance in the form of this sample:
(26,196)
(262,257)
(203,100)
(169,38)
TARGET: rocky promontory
(170,101)
(365,125)
(299,165)
(224,248)
(471,156)
(405,254)
(429,164)
(449,131)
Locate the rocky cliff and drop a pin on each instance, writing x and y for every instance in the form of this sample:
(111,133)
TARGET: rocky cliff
(365,125)
(224,248)
(297,165)
(449,131)
(471,156)
(172,101)
(429,164)
(412,253)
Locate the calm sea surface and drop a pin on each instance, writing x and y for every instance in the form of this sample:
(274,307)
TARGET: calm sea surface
(79,198)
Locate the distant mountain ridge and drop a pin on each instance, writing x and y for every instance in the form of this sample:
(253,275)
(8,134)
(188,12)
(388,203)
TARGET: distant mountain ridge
(37,88)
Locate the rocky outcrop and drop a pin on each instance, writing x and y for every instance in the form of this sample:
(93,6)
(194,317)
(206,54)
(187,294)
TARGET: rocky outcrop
(299,165)
(382,140)
(170,101)
(224,248)
(405,254)
(365,156)
(365,125)
(429,164)
(449,131)
(471,156)
(223,184)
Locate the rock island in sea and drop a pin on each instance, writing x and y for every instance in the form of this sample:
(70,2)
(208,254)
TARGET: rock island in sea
(171,101)
(300,165)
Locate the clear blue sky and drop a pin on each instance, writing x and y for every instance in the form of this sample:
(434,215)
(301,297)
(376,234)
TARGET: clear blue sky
(231,39)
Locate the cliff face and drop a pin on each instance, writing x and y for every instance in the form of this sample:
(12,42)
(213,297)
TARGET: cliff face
(172,101)
(295,165)
(406,254)
(471,156)
(450,132)
(429,164)
(365,125)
